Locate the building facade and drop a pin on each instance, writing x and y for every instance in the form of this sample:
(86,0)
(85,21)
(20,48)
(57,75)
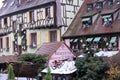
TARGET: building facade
(96,25)
(26,24)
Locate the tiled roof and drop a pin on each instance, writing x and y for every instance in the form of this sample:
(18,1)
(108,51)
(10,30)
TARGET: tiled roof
(76,28)
(9,58)
(13,7)
(50,48)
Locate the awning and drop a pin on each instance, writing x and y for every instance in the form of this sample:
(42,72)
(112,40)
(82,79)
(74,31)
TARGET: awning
(85,19)
(89,39)
(75,40)
(113,39)
(106,16)
(96,39)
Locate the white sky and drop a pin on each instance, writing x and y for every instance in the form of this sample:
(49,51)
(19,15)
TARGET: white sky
(1,3)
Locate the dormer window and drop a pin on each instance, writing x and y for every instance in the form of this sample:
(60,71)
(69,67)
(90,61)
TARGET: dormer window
(19,2)
(5,4)
(107,19)
(70,1)
(89,7)
(28,0)
(99,5)
(110,3)
(86,21)
(118,2)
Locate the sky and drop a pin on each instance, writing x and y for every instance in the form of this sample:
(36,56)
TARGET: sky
(1,3)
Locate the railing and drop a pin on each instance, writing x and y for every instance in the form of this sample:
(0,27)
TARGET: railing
(43,23)
(40,23)
(5,30)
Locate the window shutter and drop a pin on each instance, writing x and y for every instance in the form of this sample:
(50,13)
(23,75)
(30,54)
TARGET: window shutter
(38,38)
(43,14)
(28,39)
(8,20)
(51,11)
(2,23)
(35,15)
(28,17)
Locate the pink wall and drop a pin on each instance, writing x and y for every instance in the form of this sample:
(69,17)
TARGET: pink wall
(119,43)
(61,54)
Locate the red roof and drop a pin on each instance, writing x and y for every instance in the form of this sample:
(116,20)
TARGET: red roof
(49,48)
(76,28)
(10,58)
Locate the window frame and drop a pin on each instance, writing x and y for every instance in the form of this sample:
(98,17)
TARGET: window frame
(53,35)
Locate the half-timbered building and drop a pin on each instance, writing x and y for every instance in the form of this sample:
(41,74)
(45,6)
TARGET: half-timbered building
(96,25)
(26,24)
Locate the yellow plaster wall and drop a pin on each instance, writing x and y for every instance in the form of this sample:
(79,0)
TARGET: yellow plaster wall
(38,38)
(58,35)
(47,36)
(28,38)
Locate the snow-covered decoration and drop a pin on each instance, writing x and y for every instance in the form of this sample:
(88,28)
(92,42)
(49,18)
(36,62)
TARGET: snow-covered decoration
(106,53)
(66,67)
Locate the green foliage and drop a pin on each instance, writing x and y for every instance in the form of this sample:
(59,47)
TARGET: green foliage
(90,67)
(11,75)
(28,57)
(36,59)
(113,72)
(48,76)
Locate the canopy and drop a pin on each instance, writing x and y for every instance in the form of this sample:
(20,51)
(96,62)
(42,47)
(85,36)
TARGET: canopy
(67,67)
(89,39)
(113,39)
(97,39)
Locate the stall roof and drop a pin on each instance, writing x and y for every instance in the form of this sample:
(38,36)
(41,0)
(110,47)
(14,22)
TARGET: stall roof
(9,58)
(67,67)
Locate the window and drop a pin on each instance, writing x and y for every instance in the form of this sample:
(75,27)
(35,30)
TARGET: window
(5,4)
(40,12)
(107,19)
(86,21)
(70,1)
(53,36)
(89,7)
(118,2)
(28,0)
(1,44)
(14,26)
(99,5)
(7,43)
(31,16)
(110,3)
(5,22)
(33,40)
(47,10)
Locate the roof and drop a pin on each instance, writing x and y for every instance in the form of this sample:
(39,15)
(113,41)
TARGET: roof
(50,48)
(76,29)
(9,58)
(66,67)
(12,5)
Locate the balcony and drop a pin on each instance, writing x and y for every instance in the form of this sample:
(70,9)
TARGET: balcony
(5,30)
(43,23)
